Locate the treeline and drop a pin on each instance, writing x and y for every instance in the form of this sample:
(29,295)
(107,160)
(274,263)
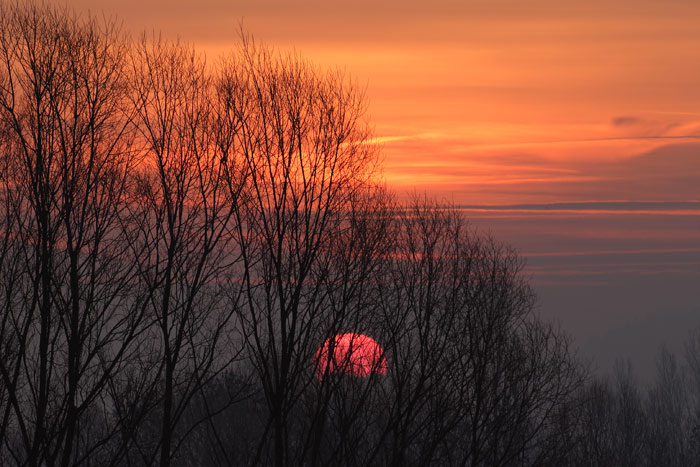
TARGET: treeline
(178,239)
(621,422)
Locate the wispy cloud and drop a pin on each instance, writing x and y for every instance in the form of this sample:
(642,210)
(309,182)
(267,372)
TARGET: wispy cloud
(679,208)
(625,120)
(651,251)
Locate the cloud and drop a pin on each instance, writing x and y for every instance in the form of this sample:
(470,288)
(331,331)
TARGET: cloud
(682,208)
(626,120)
(632,127)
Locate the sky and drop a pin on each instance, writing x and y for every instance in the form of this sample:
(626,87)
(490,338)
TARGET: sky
(570,130)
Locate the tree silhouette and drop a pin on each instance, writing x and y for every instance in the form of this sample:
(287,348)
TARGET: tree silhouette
(68,318)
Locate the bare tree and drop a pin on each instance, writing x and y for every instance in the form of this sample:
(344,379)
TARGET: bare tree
(476,379)
(302,140)
(66,309)
(623,423)
(692,358)
(668,411)
(181,213)
(612,422)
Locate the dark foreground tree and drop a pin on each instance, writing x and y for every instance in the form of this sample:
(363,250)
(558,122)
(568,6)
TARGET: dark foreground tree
(180,215)
(310,226)
(68,314)
(475,378)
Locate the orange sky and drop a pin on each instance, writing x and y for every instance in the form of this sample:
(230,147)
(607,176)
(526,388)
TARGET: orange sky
(593,104)
(487,101)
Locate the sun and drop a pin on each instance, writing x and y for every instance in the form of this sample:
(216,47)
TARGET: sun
(351,354)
